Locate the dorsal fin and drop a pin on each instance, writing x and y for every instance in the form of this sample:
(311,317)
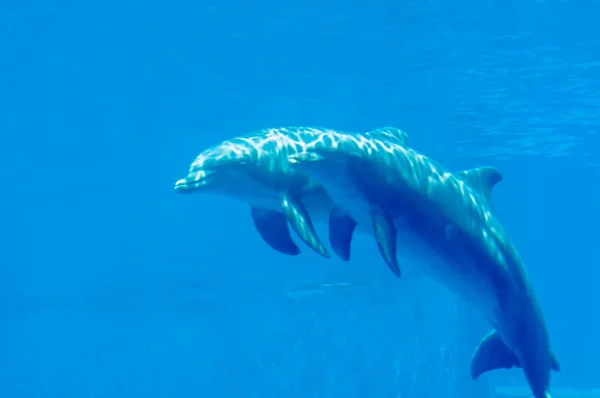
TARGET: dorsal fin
(389,133)
(482,179)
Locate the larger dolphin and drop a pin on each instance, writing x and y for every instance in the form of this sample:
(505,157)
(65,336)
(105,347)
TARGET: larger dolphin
(449,219)
(255,169)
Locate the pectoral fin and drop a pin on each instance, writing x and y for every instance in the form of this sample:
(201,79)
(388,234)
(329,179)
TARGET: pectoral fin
(492,354)
(273,228)
(298,217)
(386,235)
(341,228)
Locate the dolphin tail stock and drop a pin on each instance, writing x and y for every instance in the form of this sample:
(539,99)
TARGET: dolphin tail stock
(298,217)
(492,353)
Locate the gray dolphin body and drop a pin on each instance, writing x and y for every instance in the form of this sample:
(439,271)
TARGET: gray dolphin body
(255,169)
(448,218)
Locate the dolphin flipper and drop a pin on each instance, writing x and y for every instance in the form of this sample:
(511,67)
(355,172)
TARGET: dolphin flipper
(298,217)
(385,234)
(492,354)
(341,228)
(272,227)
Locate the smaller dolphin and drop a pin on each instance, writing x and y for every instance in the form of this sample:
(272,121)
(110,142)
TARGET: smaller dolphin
(449,219)
(255,169)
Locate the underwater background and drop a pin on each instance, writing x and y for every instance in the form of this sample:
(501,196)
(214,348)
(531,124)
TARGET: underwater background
(112,285)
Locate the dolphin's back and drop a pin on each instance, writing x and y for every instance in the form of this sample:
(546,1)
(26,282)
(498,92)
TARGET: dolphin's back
(454,214)
(462,199)
(444,207)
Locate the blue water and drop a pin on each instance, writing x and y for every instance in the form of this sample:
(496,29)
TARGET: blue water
(111,285)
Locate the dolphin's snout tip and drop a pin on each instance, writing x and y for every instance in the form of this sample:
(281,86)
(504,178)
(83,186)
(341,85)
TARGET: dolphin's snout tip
(293,159)
(180,184)
(304,157)
(195,181)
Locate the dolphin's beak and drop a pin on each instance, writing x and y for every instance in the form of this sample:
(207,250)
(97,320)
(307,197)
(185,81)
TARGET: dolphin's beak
(305,157)
(194,180)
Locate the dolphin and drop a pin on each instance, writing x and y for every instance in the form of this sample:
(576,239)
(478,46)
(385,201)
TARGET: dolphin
(254,168)
(448,218)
